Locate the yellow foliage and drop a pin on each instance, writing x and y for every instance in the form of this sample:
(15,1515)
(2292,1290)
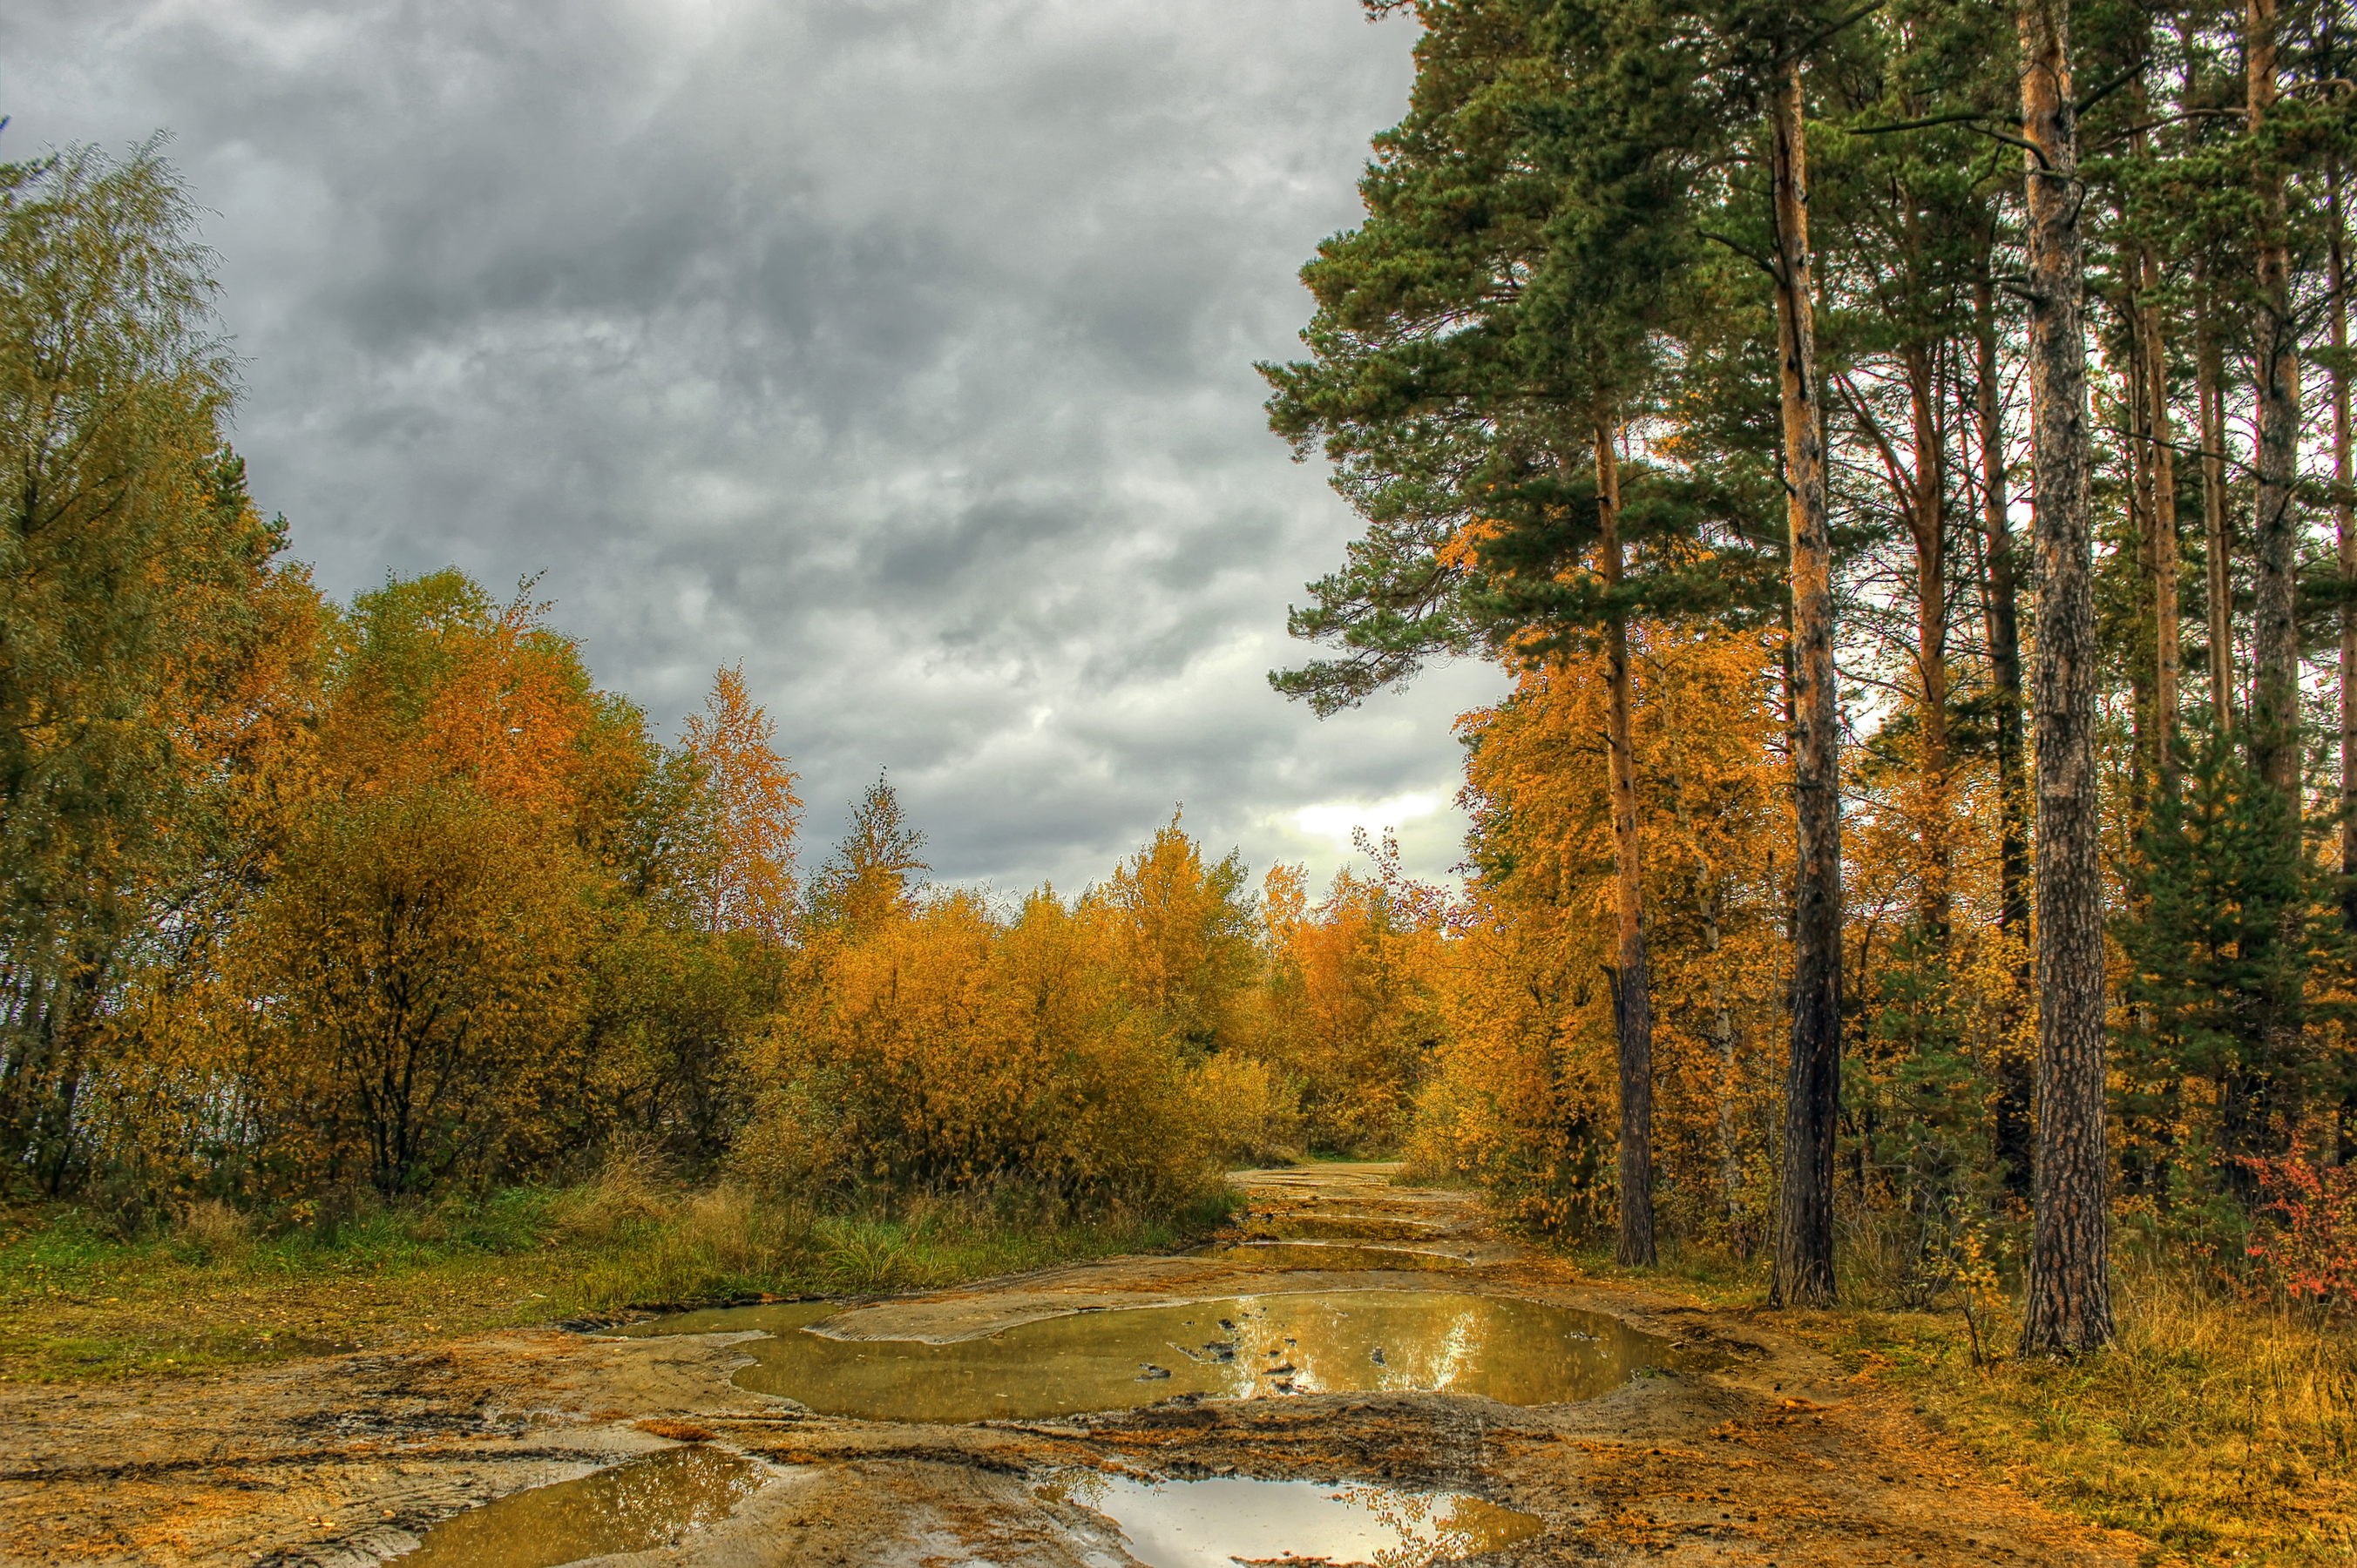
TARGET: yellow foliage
(1182,931)
(1350,1004)
(1254,1111)
(733,742)
(416,972)
(941,1047)
(1524,1094)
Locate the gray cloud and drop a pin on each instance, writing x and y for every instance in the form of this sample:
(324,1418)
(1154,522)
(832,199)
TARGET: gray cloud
(900,350)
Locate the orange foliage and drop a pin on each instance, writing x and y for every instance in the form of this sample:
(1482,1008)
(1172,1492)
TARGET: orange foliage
(1183,935)
(732,742)
(942,1047)
(1526,1089)
(1350,1004)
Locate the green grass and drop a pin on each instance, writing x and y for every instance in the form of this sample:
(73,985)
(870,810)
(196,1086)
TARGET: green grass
(77,1303)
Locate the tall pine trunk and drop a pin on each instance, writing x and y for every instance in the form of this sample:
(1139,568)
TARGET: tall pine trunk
(2344,520)
(1805,1206)
(2209,392)
(1632,997)
(2002,596)
(2165,551)
(1927,519)
(2069,1308)
(2275,642)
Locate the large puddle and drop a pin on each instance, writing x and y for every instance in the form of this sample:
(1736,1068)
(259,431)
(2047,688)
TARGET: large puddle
(1218,1523)
(634,1506)
(1516,1351)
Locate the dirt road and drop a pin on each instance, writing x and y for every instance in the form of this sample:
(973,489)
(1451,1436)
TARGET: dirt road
(1730,1445)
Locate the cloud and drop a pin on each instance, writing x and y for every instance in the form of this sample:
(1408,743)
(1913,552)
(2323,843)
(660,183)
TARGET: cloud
(900,350)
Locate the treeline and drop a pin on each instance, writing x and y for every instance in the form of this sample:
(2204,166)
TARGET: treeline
(302,900)
(1904,449)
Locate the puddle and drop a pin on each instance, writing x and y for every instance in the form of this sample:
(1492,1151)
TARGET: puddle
(1217,1523)
(1239,1347)
(633,1507)
(1291,1255)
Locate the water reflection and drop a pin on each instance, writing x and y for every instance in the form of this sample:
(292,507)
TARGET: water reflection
(1238,1348)
(633,1507)
(1217,1523)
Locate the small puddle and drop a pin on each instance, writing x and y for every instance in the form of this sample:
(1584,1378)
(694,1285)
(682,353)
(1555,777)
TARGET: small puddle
(635,1506)
(1359,1255)
(1518,1352)
(1218,1523)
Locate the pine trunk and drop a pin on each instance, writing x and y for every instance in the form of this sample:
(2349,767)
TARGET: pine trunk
(2069,1308)
(2209,375)
(2003,597)
(2164,557)
(1632,999)
(2345,528)
(1927,518)
(2275,639)
(1804,1208)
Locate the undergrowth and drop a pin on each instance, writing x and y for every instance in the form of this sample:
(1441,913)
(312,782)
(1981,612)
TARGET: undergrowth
(2219,1428)
(78,1301)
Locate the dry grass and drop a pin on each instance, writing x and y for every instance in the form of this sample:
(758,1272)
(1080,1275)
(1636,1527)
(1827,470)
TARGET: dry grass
(77,1303)
(2218,1430)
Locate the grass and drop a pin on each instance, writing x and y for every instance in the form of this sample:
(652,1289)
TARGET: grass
(77,1304)
(2221,1430)
(2218,1430)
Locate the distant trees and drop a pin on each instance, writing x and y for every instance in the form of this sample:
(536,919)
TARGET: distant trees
(298,897)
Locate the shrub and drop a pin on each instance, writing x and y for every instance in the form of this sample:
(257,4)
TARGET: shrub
(1252,1112)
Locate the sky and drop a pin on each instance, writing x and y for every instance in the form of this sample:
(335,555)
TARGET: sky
(899,349)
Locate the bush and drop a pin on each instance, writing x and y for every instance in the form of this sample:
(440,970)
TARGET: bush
(1253,1113)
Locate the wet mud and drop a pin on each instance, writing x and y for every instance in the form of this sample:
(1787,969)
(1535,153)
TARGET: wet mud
(1693,1436)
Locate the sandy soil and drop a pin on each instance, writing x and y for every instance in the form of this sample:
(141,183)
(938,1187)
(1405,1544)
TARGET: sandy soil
(1750,1450)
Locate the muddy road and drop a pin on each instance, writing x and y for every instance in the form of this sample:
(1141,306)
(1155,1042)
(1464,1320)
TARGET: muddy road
(1264,1399)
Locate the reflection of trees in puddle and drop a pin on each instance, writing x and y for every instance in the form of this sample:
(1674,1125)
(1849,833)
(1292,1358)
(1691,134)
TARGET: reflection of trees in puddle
(632,1507)
(1215,1523)
(1391,1341)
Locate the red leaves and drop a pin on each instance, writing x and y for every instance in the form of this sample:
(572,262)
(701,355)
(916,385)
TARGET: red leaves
(2308,1248)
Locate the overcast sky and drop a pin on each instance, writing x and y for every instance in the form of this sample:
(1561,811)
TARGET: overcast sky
(900,349)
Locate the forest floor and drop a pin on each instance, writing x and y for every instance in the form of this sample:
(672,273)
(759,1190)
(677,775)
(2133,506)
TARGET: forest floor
(1741,1445)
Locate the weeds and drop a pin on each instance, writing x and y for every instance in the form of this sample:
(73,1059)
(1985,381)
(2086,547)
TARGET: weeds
(2218,1429)
(77,1301)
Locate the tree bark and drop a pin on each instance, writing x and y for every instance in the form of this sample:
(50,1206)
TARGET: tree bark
(1927,520)
(2014,1120)
(1632,999)
(2165,553)
(2137,450)
(1804,1208)
(2275,640)
(2069,1308)
(2345,530)
(2209,374)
